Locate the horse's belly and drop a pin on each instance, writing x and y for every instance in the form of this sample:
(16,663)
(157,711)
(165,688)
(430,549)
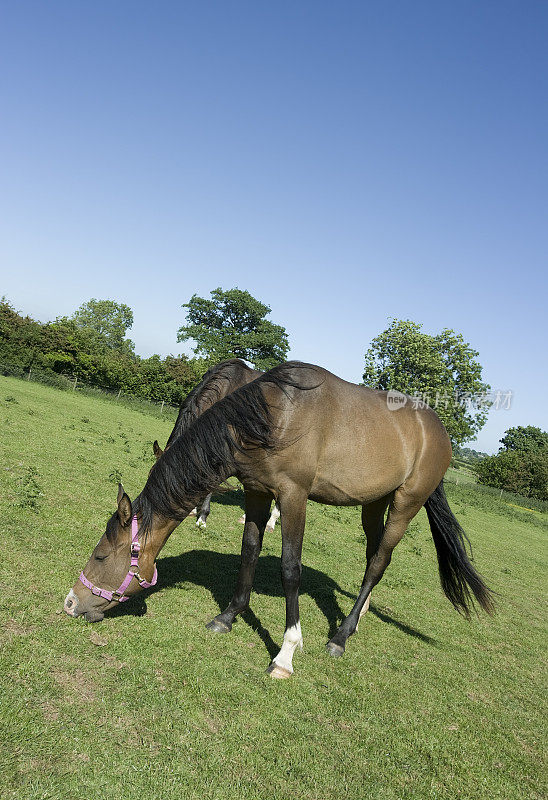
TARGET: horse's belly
(342,488)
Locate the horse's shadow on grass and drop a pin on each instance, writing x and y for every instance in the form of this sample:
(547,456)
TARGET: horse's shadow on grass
(230,497)
(217,572)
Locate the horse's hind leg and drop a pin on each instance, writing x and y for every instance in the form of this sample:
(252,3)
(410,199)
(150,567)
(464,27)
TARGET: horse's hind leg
(257,507)
(373,527)
(403,508)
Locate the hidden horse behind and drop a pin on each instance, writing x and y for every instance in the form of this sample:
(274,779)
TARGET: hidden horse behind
(220,380)
(298,432)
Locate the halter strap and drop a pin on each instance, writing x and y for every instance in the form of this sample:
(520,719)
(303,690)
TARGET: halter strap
(118,595)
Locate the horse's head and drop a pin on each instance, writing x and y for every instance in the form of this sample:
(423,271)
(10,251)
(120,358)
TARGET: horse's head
(119,567)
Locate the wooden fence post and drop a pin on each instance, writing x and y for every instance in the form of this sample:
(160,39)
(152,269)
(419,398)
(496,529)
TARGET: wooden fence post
(75,382)
(162,409)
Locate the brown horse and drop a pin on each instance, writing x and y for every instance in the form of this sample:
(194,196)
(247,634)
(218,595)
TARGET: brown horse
(295,433)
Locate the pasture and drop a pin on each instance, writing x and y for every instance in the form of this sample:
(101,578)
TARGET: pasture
(149,703)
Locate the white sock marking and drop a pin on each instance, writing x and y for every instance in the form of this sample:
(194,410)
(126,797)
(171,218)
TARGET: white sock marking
(292,639)
(274,517)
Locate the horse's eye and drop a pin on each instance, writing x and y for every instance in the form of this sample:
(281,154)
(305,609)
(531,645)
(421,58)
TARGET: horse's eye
(100,558)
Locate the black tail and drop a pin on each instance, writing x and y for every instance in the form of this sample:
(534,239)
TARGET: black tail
(459,579)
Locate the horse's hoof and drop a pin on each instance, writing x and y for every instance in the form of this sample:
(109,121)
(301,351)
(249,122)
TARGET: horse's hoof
(241,521)
(334,650)
(201,524)
(217,626)
(280,673)
(269,528)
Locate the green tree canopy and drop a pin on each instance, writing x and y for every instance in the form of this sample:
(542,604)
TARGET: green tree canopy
(232,324)
(20,337)
(107,318)
(442,370)
(468,454)
(521,466)
(522,439)
(64,347)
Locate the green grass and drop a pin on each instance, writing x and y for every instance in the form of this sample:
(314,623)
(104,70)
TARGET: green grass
(422,705)
(494,498)
(461,475)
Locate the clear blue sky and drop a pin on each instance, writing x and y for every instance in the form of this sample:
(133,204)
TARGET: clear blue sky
(344,162)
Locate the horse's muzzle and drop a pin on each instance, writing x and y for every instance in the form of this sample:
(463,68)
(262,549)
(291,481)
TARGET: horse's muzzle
(75,607)
(71,604)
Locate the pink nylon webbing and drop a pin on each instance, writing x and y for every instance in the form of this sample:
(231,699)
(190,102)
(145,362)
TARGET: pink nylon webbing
(118,595)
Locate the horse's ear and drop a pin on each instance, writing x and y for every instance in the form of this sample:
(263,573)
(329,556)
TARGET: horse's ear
(124,506)
(157,450)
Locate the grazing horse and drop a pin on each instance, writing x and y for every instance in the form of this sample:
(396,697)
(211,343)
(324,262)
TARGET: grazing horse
(295,433)
(217,382)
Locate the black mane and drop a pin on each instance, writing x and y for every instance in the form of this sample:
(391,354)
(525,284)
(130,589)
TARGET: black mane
(204,455)
(215,384)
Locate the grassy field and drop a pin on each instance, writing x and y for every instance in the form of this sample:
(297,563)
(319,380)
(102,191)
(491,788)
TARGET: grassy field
(149,704)
(462,475)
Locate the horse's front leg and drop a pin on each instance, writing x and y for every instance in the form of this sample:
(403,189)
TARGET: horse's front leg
(293,514)
(257,509)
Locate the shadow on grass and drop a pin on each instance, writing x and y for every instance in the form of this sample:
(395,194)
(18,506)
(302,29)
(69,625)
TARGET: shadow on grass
(217,572)
(233,497)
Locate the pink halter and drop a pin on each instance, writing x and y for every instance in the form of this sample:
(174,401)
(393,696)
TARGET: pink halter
(118,595)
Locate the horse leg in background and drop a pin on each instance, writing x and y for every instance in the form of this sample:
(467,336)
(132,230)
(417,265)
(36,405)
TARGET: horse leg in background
(257,507)
(403,508)
(202,512)
(293,513)
(273,519)
(373,527)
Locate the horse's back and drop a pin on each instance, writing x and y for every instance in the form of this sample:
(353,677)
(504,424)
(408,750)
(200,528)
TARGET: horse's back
(351,442)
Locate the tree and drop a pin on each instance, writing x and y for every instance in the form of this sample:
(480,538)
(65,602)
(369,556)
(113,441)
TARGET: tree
(468,454)
(85,351)
(516,471)
(232,324)
(20,338)
(521,465)
(524,439)
(109,319)
(442,370)
(168,379)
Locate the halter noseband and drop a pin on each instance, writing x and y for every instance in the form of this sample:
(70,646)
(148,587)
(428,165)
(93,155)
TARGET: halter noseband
(118,595)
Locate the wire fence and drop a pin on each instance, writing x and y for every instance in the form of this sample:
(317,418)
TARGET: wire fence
(72,383)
